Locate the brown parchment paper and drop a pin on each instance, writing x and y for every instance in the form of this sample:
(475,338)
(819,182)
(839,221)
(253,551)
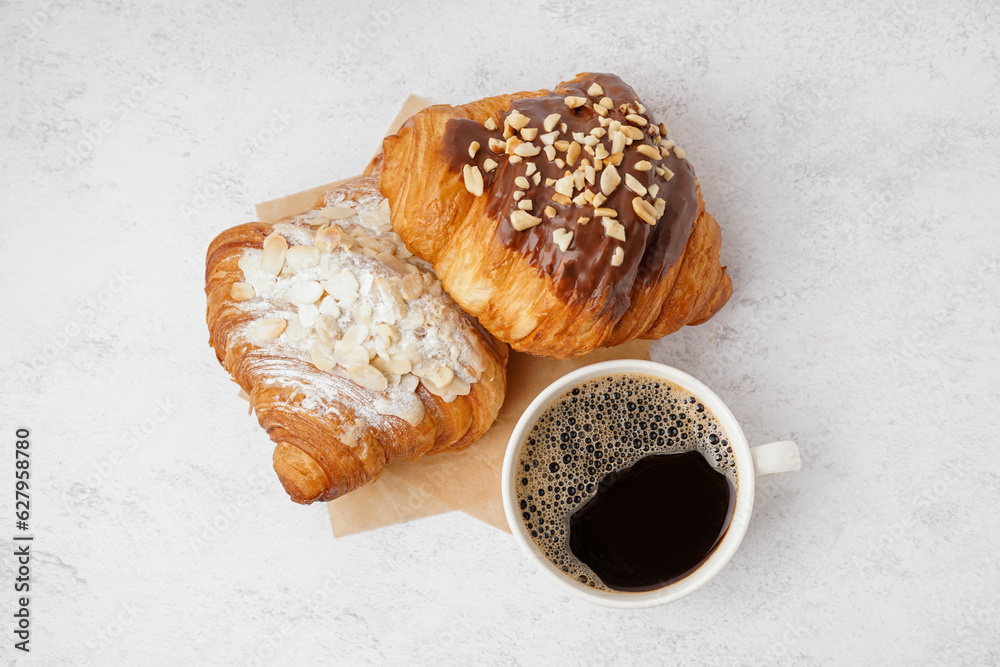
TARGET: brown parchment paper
(469,480)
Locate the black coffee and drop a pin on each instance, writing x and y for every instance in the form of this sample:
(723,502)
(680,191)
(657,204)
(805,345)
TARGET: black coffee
(627,483)
(651,524)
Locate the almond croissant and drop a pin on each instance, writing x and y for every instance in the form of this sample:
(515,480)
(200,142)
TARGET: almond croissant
(563,220)
(351,353)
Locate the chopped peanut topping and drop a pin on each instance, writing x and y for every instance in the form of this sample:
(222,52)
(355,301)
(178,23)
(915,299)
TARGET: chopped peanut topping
(644,210)
(473,179)
(522,220)
(562,238)
(588,155)
(613,229)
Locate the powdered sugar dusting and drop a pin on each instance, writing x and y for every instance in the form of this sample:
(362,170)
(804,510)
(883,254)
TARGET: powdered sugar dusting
(349,299)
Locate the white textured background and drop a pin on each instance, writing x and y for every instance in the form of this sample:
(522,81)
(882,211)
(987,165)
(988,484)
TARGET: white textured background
(850,154)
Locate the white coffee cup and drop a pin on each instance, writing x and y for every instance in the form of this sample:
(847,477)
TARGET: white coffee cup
(776,457)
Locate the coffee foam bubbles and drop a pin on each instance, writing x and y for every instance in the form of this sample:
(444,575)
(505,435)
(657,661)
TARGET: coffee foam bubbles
(600,427)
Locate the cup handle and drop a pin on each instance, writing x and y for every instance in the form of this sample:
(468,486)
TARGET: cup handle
(775,457)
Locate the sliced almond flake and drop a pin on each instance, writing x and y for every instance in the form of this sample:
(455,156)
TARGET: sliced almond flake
(322,356)
(337,212)
(272,257)
(302,257)
(242,292)
(368,377)
(307,292)
(265,329)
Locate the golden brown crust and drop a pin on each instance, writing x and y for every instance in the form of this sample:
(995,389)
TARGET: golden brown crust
(328,449)
(442,222)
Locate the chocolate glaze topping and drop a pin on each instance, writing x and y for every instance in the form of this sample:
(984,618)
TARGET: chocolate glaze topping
(587,264)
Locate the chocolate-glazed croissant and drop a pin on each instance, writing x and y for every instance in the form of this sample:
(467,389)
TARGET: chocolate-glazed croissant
(563,220)
(351,353)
